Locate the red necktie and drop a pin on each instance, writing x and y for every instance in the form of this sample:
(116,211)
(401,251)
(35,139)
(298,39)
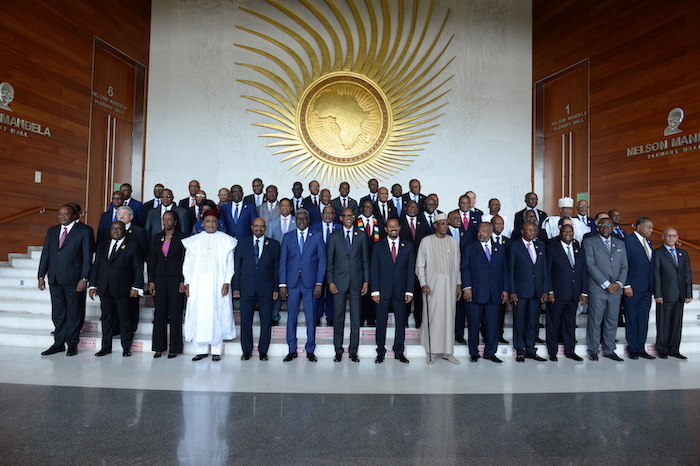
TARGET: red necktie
(345,204)
(413,228)
(393,251)
(368,229)
(63,237)
(465,221)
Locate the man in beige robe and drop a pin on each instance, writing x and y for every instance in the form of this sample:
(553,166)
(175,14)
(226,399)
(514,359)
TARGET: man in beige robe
(437,268)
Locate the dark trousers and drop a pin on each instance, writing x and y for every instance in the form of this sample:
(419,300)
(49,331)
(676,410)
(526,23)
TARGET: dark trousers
(324,304)
(501,319)
(561,318)
(669,322)
(637,309)
(482,317)
(525,325)
(170,304)
(134,309)
(417,303)
(383,308)
(339,299)
(118,306)
(461,311)
(67,313)
(294,299)
(368,311)
(265,313)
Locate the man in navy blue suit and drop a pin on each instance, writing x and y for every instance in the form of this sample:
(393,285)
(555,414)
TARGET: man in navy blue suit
(238,216)
(616,217)
(470,219)
(529,280)
(413,194)
(566,263)
(109,216)
(324,303)
(639,287)
(485,285)
(135,205)
(256,280)
(392,281)
(302,267)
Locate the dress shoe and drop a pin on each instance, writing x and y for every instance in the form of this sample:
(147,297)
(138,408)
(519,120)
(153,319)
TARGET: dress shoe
(275,323)
(539,340)
(662,356)
(520,358)
(354,358)
(172,355)
(72,351)
(430,359)
(574,356)
(503,340)
(593,357)
(553,357)
(311,357)
(461,340)
(614,357)
(473,358)
(126,353)
(495,358)
(450,358)
(157,354)
(645,355)
(245,356)
(53,350)
(535,356)
(678,355)
(216,357)
(338,357)
(290,356)
(401,358)
(199,357)
(379,359)
(103,352)
(263,356)
(632,355)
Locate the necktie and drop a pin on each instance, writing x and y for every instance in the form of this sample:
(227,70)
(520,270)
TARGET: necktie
(63,237)
(413,229)
(256,248)
(487,251)
(674,257)
(374,198)
(258,200)
(284,226)
(345,204)
(430,216)
(465,221)
(647,250)
(297,201)
(570,256)
(393,251)
(384,211)
(114,216)
(498,240)
(607,243)
(328,232)
(270,208)
(531,252)
(368,229)
(397,204)
(315,201)
(192,202)
(301,243)
(199,214)
(114,249)
(156,203)
(235,215)
(347,240)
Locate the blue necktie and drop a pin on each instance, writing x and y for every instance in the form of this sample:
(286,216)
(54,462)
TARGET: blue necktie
(257,251)
(328,232)
(235,215)
(674,257)
(301,243)
(347,240)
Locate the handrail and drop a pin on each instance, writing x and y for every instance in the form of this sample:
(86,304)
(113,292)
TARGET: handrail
(40,210)
(680,241)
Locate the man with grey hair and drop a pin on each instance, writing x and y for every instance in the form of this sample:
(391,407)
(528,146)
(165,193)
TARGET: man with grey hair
(675,118)
(135,235)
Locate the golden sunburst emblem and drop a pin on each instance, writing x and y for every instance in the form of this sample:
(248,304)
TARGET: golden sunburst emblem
(359,114)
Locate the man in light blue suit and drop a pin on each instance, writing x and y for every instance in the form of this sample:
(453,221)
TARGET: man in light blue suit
(302,267)
(238,216)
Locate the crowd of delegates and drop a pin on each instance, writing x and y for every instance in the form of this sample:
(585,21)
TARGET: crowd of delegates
(388,252)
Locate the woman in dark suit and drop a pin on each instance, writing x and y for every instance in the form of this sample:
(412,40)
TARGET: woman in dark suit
(166,284)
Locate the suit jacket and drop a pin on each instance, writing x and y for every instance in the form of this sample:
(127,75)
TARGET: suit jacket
(294,206)
(153,226)
(138,236)
(672,283)
(464,238)
(309,203)
(160,265)
(640,272)
(589,222)
(260,278)
(390,213)
(119,273)
(263,211)
(488,279)
(145,210)
(603,265)
(302,269)
(399,208)
(409,197)
(315,214)
(274,228)
(246,215)
(474,221)
(338,206)
(505,241)
(619,232)
(392,280)
(518,220)
(320,226)
(368,196)
(422,230)
(137,208)
(541,235)
(71,262)
(106,220)
(348,269)
(250,199)
(566,282)
(184,203)
(528,280)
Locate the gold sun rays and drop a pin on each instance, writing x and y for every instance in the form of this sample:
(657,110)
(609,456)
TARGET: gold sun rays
(360,104)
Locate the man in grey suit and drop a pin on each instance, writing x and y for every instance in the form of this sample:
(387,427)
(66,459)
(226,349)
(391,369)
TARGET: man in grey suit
(278,227)
(673,287)
(606,260)
(269,209)
(153,223)
(347,275)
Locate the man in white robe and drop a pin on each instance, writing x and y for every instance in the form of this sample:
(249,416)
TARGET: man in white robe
(438,271)
(566,210)
(208,270)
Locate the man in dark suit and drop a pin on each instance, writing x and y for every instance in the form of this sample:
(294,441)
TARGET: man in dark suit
(313,198)
(344,201)
(568,278)
(397,199)
(414,229)
(638,288)
(137,235)
(238,216)
(384,209)
(606,261)
(116,276)
(373,186)
(297,200)
(66,258)
(316,211)
(135,205)
(582,208)
(324,303)
(498,224)
(152,204)
(530,217)
(529,288)
(258,197)
(616,218)
(673,287)
(302,268)
(347,274)
(194,213)
(368,224)
(256,280)
(485,286)
(470,219)
(455,229)
(191,200)
(154,223)
(109,216)
(531,200)
(415,195)
(392,278)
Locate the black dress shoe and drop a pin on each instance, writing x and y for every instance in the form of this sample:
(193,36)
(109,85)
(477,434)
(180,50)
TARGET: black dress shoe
(53,350)
(473,358)
(520,358)
(553,357)
(216,357)
(645,355)
(536,357)
(72,351)
(103,352)
(539,340)
(614,357)
(678,355)
(311,357)
(593,357)
(632,355)
(126,353)
(503,340)
(263,356)
(199,357)
(354,358)
(461,340)
(495,358)
(574,356)
(401,358)
(662,356)
(290,356)
(157,354)
(275,323)
(379,359)
(338,357)
(172,355)
(245,356)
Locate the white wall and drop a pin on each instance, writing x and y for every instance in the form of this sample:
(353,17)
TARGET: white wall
(198,127)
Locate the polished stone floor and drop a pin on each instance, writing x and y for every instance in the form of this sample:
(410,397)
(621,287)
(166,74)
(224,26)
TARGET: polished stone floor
(141,411)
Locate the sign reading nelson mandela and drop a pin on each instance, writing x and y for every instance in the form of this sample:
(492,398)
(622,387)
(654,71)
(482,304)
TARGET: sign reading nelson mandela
(12,124)
(678,143)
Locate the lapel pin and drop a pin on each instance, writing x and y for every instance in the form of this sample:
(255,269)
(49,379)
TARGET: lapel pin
(123,246)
